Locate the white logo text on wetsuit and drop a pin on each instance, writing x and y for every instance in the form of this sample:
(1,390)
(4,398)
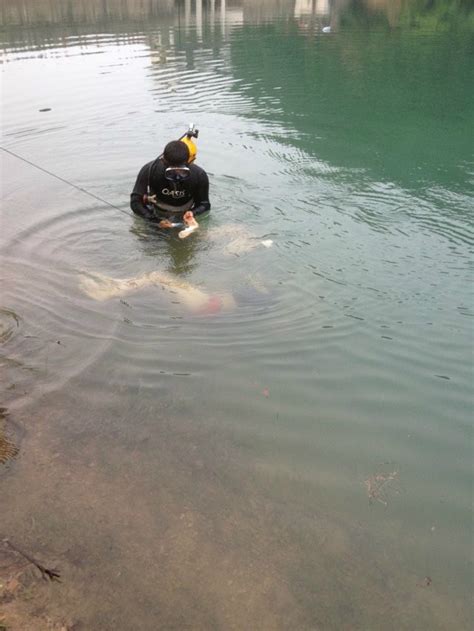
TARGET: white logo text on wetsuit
(174,194)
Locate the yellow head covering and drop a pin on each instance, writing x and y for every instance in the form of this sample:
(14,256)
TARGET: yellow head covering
(189,142)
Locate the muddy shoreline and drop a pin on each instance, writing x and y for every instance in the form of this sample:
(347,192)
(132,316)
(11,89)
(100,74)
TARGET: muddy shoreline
(166,525)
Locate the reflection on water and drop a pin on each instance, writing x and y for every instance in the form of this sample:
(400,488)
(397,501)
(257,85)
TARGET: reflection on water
(35,12)
(301,460)
(179,254)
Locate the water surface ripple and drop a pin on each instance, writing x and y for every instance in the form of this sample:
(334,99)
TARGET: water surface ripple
(235,450)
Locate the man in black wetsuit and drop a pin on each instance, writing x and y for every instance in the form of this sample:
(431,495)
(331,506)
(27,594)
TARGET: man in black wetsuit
(169,190)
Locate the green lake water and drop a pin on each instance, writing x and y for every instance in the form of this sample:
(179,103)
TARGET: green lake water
(303,459)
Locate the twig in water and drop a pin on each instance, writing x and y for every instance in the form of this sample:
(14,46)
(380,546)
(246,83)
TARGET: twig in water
(51,574)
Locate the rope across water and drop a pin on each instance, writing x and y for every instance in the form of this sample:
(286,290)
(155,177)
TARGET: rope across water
(62,179)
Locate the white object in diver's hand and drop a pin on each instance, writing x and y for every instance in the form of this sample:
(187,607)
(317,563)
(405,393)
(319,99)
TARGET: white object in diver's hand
(191,226)
(326,29)
(182,234)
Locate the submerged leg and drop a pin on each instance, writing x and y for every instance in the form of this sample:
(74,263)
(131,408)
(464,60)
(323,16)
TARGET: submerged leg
(100,287)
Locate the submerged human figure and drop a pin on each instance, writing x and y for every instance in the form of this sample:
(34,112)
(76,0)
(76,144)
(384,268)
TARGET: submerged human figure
(171,190)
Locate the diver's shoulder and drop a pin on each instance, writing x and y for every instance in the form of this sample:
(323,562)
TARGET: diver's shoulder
(147,166)
(195,168)
(151,163)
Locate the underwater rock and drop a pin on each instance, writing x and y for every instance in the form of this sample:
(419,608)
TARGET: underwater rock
(8,449)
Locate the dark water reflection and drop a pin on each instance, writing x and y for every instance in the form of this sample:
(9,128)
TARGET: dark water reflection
(192,471)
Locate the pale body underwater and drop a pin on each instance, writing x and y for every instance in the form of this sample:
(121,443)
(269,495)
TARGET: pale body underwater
(100,287)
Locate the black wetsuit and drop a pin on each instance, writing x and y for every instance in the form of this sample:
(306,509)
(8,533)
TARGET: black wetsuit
(172,199)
